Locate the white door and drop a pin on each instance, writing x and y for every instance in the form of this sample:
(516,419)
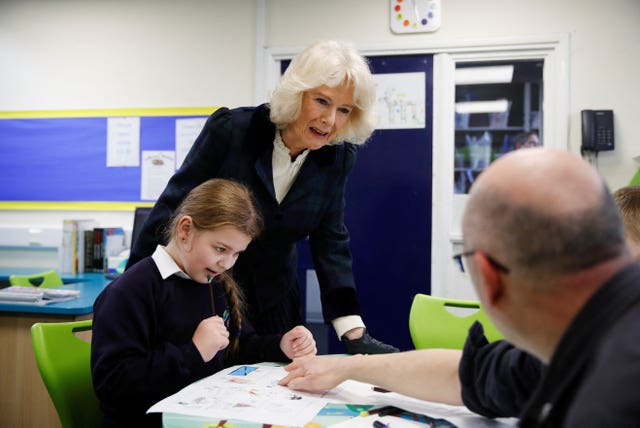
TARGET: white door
(450,165)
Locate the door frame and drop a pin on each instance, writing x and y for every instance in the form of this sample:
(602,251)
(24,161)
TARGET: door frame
(446,207)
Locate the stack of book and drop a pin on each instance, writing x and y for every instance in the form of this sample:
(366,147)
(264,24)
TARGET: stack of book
(86,248)
(38,296)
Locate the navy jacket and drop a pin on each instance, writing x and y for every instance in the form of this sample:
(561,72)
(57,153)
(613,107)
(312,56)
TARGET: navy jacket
(497,379)
(593,377)
(591,380)
(238,144)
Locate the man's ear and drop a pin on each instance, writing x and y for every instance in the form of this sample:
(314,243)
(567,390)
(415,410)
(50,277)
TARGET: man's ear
(491,284)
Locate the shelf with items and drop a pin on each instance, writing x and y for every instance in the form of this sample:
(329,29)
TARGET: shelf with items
(481,136)
(493,129)
(476,148)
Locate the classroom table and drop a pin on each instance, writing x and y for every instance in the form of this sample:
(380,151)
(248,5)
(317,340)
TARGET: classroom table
(24,400)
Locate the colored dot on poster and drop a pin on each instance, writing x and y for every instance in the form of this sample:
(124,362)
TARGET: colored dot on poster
(397,8)
(406,23)
(424,22)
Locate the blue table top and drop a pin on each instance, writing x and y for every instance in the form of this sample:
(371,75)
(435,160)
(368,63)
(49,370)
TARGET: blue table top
(89,284)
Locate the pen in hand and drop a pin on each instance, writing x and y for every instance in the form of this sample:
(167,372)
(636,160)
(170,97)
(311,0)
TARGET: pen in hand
(213,307)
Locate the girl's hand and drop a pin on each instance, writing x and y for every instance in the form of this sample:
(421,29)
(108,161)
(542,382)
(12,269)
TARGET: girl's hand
(298,342)
(210,337)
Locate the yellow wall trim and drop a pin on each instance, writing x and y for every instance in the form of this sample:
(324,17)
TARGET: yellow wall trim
(72,206)
(168,111)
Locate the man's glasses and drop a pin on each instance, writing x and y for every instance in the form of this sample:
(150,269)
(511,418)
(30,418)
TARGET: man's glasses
(459,259)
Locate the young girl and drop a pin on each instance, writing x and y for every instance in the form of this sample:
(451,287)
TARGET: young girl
(177,315)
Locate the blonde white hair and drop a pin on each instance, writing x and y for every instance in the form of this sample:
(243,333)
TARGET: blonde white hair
(329,63)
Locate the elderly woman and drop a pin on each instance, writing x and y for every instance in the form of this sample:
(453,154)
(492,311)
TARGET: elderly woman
(295,154)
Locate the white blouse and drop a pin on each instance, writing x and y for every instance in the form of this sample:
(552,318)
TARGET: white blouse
(285,171)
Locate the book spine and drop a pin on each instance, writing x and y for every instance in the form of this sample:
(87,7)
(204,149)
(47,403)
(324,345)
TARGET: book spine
(74,241)
(114,242)
(98,257)
(67,247)
(88,250)
(83,226)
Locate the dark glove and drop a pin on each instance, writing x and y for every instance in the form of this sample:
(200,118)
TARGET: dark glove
(367,345)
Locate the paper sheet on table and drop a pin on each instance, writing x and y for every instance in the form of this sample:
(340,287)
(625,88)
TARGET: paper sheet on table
(250,393)
(367,422)
(353,392)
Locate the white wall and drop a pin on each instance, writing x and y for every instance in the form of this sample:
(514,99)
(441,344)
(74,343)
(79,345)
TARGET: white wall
(92,54)
(604,42)
(601,65)
(82,54)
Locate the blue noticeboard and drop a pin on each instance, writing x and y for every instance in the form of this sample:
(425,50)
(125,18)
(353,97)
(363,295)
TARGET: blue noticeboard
(64,159)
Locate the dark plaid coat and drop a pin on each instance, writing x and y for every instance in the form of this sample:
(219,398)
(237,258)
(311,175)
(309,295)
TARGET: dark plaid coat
(238,144)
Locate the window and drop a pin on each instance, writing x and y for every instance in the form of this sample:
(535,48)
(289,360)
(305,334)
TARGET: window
(498,108)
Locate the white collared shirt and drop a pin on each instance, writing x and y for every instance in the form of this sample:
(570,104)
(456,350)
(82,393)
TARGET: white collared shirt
(284,170)
(166,265)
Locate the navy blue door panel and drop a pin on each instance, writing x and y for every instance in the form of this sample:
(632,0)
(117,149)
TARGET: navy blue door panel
(388,215)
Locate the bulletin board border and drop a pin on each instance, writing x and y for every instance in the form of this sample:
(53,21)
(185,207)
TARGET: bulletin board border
(29,205)
(152,111)
(71,206)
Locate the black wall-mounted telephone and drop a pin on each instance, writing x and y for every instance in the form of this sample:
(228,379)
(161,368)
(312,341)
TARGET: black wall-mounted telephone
(597,130)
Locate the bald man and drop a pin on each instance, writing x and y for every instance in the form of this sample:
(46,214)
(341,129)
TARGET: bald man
(497,378)
(547,257)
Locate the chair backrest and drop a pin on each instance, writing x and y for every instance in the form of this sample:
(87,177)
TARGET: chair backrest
(433,324)
(64,363)
(47,279)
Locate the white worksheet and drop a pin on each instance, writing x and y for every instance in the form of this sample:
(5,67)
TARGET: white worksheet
(247,392)
(251,393)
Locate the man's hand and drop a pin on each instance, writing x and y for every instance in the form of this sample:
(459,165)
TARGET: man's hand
(317,374)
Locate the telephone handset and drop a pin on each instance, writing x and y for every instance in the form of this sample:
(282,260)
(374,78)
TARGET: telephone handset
(597,130)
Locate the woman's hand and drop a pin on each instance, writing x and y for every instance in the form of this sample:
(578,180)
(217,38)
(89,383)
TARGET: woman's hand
(298,342)
(210,337)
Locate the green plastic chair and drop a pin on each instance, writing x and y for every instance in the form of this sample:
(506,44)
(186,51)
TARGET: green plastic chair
(64,363)
(433,325)
(49,279)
